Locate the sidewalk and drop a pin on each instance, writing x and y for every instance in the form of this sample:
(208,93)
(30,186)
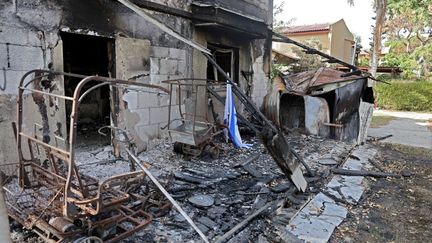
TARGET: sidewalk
(404,114)
(408,128)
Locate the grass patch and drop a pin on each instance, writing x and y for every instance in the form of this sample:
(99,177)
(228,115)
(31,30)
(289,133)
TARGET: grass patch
(379,121)
(405,95)
(417,152)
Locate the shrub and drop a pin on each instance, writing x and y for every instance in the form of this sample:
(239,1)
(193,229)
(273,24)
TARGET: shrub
(405,95)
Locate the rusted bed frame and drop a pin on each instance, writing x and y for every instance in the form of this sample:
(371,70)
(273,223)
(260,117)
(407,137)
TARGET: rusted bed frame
(54,199)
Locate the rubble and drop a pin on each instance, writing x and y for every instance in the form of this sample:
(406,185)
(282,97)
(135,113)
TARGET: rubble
(201,201)
(319,218)
(236,193)
(66,192)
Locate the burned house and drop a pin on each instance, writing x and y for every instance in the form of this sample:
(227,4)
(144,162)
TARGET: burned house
(105,38)
(75,67)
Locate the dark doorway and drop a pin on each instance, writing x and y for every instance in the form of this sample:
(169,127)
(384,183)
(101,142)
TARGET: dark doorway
(227,58)
(88,55)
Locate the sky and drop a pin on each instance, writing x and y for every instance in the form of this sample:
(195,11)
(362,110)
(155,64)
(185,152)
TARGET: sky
(358,17)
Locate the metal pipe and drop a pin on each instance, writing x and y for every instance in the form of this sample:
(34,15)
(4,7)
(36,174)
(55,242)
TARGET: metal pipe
(46,93)
(44,144)
(169,105)
(170,198)
(253,109)
(310,50)
(90,90)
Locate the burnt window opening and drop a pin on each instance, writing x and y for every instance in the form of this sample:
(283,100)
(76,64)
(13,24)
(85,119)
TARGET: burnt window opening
(227,58)
(88,55)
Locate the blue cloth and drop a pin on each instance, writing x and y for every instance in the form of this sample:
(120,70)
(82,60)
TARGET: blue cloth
(230,119)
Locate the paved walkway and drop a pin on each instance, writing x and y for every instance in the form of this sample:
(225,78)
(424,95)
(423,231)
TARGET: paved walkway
(404,114)
(318,219)
(408,128)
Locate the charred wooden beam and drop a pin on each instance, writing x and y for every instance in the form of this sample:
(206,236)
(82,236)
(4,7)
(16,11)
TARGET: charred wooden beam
(243,223)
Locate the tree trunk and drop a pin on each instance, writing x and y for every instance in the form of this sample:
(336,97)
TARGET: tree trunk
(381,8)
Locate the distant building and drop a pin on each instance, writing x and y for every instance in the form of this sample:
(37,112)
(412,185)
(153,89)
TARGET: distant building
(336,39)
(366,55)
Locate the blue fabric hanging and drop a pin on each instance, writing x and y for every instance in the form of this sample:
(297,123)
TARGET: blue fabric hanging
(230,119)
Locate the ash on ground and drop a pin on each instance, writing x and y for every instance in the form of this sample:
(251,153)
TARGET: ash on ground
(220,193)
(235,190)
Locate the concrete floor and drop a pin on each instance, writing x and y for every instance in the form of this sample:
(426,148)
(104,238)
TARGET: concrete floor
(408,128)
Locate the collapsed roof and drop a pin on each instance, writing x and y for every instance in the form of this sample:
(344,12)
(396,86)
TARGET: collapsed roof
(322,102)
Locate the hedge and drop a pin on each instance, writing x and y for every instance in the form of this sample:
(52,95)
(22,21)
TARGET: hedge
(405,95)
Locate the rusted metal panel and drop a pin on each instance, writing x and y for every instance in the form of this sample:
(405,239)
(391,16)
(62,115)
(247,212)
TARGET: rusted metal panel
(347,101)
(300,82)
(311,81)
(317,113)
(328,76)
(320,102)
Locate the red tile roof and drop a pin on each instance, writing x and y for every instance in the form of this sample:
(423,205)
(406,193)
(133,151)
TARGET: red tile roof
(307,28)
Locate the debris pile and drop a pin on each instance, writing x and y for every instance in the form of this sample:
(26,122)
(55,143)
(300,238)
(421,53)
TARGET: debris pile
(220,194)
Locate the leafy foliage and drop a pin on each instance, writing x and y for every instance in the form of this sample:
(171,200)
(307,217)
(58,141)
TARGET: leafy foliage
(409,36)
(307,61)
(405,95)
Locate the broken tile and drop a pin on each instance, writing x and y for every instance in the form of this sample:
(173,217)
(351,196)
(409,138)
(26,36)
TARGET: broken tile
(201,200)
(317,221)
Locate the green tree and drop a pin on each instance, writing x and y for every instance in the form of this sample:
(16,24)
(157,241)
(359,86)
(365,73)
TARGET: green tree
(409,36)
(306,61)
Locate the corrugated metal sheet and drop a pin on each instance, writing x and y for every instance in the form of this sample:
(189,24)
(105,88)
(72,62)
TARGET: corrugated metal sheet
(307,82)
(270,106)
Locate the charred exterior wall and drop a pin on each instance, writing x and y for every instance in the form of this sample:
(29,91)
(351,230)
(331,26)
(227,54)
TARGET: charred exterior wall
(30,38)
(254,52)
